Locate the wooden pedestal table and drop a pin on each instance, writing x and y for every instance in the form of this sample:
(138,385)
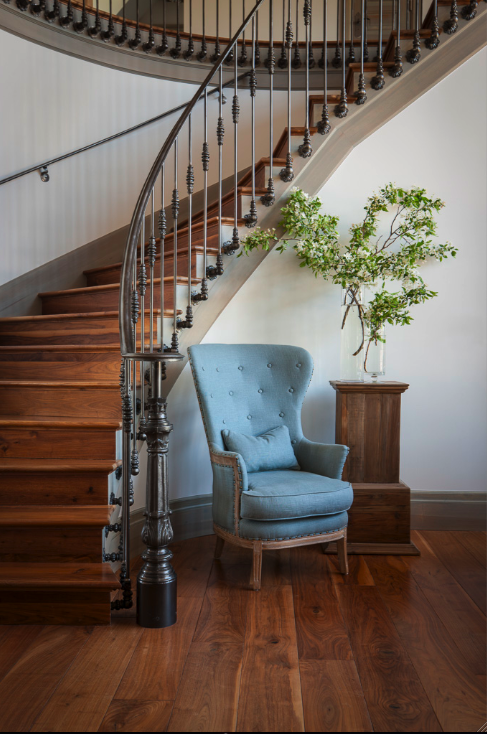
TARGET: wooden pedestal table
(368,421)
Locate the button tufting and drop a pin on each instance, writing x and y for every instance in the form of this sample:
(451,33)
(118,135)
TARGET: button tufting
(269,365)
(223,421)
(240,368)
(218,369)
(291,389)
(293,441)
(231,392)
(260,390)
(298,364)
(249,417)
(281,415)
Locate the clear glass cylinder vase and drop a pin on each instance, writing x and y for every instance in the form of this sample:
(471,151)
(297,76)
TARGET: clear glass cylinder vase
(352,335)
(375,355)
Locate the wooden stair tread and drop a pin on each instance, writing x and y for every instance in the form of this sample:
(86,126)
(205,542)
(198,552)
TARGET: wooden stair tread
(54,515)
(168,313)
(34,421)
(60,384)
(196,249)
(181,279)
(19,348)
(57,576)
(198,225)
(74,466)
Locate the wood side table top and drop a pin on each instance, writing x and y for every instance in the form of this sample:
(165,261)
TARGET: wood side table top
(369,387)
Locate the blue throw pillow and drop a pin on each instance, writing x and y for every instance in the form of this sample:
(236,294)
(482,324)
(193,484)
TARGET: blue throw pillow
(271,451)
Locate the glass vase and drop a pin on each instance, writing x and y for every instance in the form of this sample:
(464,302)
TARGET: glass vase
(375,355)
(352,335)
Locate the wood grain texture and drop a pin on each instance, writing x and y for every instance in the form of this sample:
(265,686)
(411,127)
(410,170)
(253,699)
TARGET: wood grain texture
(83,696)
(37,674)
(223,616)
(26,439)
(99,400)
(333,699)
(39,544)
(270,694)
(452,688)
(13,643)
(358,571)
(208,702)
(475,543)
(395,697)
(137,716)
(67,607)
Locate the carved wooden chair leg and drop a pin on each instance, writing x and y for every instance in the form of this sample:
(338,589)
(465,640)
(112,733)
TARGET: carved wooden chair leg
(324,546)
(342,554)
(219,546)
(256,573)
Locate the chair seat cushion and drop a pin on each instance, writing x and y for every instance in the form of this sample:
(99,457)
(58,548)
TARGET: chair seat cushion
(286,495)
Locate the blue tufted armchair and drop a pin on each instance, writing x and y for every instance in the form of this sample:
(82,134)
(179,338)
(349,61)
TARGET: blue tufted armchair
(250,389)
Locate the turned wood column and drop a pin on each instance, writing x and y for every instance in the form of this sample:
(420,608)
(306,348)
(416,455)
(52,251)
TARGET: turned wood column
(368,421)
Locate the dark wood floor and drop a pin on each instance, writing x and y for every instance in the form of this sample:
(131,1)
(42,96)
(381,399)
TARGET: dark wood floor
(398,645)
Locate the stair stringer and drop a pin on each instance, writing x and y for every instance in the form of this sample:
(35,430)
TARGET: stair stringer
(328,153)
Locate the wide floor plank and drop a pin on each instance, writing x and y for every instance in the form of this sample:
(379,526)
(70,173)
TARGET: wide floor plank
(333,699)
(154,672)
(14,641)
(461,563)
(475,543)
(27,687)
(452,688)
(137,716)
(395,698)
(192,562)
(270,691)
(465,623)
(207,698)
(81,700)
(223,615)
(358,571)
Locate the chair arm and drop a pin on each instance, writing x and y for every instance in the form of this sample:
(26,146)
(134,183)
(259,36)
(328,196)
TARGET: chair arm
(229,481)
(320,458)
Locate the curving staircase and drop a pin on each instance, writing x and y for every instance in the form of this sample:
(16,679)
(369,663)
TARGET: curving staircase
(61,422)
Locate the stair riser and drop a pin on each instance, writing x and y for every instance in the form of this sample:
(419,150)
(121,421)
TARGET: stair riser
(75,331)
(197,238)
(103,300)
(38,443)
(107,277)
(51,544)
(65,402)
(54,488)
(60,366)
(55,607)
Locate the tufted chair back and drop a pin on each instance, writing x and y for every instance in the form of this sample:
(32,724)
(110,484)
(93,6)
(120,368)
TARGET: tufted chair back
(250,388)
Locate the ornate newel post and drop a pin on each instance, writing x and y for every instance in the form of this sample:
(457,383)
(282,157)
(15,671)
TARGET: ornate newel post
(156,582)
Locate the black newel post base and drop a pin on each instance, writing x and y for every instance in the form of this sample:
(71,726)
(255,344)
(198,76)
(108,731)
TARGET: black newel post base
(156,592)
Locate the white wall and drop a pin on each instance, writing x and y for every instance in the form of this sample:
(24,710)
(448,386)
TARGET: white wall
(442,354)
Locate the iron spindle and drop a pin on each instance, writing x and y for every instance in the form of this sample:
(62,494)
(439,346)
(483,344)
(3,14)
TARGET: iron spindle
(229,59)
(151,252)
(324,126)
(134,458)
(282,63)
(341,109)
(135,41)
(337,59)
(311,59)
(269,197)
(413,55)
(37,8)
(287,174)
(305,150)
(122,37)
(217,53)
(204,47)
(257,44)
(243,54)
(162,236)
(80,25)
(190,50)
(211,270)
(141,435)
(188,322)
(231,247)
(297,55)
(450,26)
(470,11)
(351,52)
(151,42)
(176,51)
(361,95)
(175,214)
(378,81)
(66,20)
(110,31)
(366,30)
(397,69)
(205,159)
(251,217)
(51,15)
(164,45)
(434,40)
(21,4)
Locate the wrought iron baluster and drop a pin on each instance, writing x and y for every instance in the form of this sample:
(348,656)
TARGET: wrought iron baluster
(310,56)
(324,126)
(80,25)
(243,53)
(164,45)
(190,50)
(229,248)
(229,59)
(282,62)
(217,53)
(397,69)
(341,109)
(136,40)
(188,322)
(141,435)
(22,4)
(205,159)
(110,31)
(287,174)
(151,41)
(434,40)
(66,20)
(305,150)
(378,81)
(37,8)
(175,214)
(413,55)
(366,30)
(297,55)
(257,44)
(470,11)
(450,26)
(251,217)
(337,59)
(162,251)
(204,46)
(51,15)
(93,30)
(151,253)
(269,197)
(123,35)
(134,457)
(176,51)
(361,95)
(351,51)
(213,271)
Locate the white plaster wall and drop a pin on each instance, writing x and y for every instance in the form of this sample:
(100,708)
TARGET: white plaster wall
(442,354)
